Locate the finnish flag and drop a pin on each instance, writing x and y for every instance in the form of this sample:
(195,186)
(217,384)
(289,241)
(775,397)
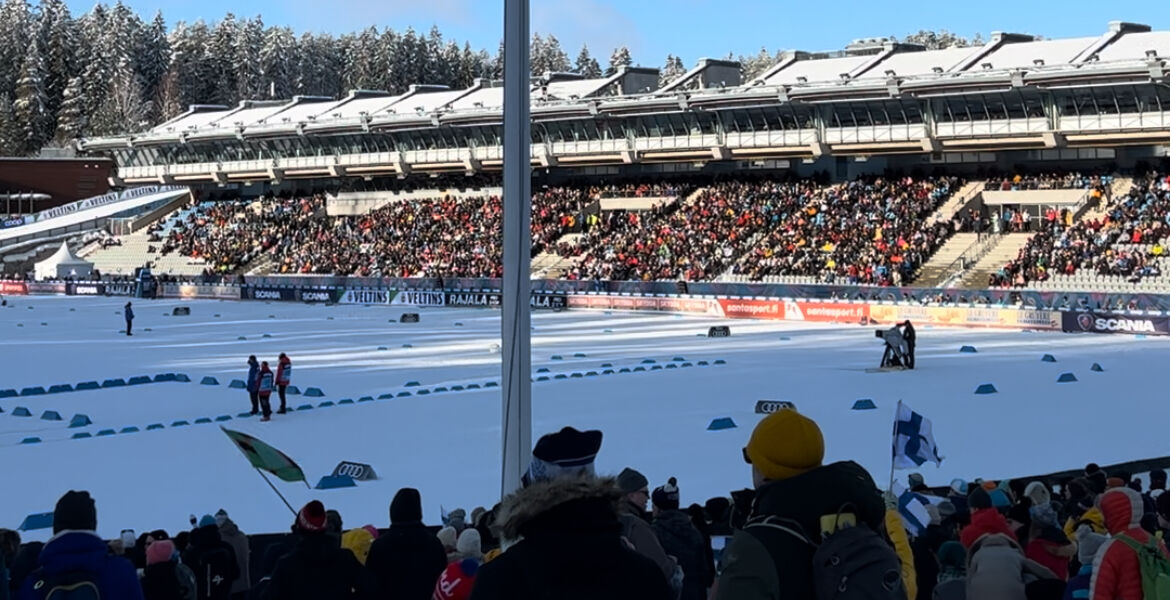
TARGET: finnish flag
(913,440)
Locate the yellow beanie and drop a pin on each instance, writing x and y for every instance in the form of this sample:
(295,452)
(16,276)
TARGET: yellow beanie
(786,444)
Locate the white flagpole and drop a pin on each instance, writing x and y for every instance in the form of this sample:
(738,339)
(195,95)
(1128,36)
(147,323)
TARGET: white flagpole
(516,321)
(894,445)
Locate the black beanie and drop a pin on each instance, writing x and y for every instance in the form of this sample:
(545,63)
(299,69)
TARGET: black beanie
(978,499)
(666,497)
(406,506)
(75,511)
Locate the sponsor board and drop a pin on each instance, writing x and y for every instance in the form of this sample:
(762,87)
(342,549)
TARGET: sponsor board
(315,295)
(15,222)
(124,288)
(478,299)
(553,301)
(736,308)
(47,287)
(187,291)
(13,288)
(366,297)
(826,312)
(767,407)
(264,293)
(634,303)
(86,289)
(1102,322)
(356,471)
(419,298)
(962,316)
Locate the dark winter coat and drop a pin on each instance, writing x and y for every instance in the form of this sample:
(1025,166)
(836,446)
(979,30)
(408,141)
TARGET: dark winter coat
(408,559)
(569,547)
(70,551)
(681,540)
(760,562)
(23,563)
(168,581)
(253,376)
(637,532)
(319,568)
(129,313)
(214,563)
(230,533)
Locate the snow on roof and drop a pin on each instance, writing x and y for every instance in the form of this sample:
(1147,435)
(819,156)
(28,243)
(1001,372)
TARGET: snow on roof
(1024,54)
(249,115)
(817,70)
(353,108)
(1134,46)
(482,98)
(432,100)
(909,64)
(581,88)
(301,111)
(197,120)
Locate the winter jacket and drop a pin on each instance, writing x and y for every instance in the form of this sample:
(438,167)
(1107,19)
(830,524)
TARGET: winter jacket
(5,592)
(24,563)
(639,533)
(997,569)
(1092,517)
(760,563)
(129,313)
(253,380)
(406,560)
(266,382)
(985,521)
(230,533)
(680,539)
(284,371)
(214,563)
(319,568)
(1052,554)
(168,581)
(70,551)
(569,547)
(897,532)
(1116,574)
(1078,585)
(358,541)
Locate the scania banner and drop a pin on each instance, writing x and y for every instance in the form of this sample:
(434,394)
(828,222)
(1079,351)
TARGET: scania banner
(314,295)
(264,293)
(86,289)
(1104,322)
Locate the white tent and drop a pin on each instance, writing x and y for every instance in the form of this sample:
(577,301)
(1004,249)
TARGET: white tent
(63,264)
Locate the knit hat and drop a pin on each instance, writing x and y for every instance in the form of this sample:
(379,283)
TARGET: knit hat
(311,518)
(946,509)
(916,481)
(159,552)
(979,499)
(666,497)
(959,486)
(1088,543)
(476,513)
(406,506)
(1114,482)
(457,580)
(566,453)
(207,520)
(1097,482)
(373,531)
(1043,514)
(469,543)
(221,517)
(333,522)
(1038,493)
(785,444)
(75,511)
(457,519)
(1157,479)
(630,481)
(447,537)
(999,498)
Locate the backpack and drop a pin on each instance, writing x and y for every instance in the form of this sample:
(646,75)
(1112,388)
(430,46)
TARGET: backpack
(853,562)
(1155,567)
(212,570)
(70,585)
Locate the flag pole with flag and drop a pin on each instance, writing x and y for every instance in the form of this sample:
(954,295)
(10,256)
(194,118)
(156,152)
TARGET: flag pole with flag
(266,458)
(914,443)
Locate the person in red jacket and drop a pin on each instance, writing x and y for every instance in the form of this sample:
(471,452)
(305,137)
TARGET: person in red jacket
(1116,573)
(984,519)
(283,378)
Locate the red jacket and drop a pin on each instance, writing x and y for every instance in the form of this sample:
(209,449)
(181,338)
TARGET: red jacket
(1116,574)
(983,522)
(283,371)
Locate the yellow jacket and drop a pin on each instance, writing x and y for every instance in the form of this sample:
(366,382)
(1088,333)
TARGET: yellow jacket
(1093,517)
(897,533)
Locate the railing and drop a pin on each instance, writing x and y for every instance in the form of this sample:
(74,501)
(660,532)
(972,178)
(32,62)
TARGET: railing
(969,257)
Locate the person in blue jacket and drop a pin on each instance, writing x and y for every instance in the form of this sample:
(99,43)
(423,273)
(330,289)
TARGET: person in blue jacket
(76,557)
(129,314)
(254,383)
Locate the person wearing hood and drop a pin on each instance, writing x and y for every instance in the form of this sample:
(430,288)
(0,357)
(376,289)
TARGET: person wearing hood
(252,384)
(561,534)
(76,554)
(680,539)
(636,529)
(164,577)
(785,451)
(318,567)
(1088,543)
(264,391)
(985,519)
(1047,543)
(998,570)
(230,533)
(458,579)
(212,560)
(1116,569)
(358,541)
(408,558)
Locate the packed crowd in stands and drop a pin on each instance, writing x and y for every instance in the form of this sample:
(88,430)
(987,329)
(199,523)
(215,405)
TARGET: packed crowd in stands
(571,533)
(869,231)
(1140,218)
(1053,180)
(640,190)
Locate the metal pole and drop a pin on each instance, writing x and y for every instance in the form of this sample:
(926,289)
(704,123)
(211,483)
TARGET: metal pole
(516,322)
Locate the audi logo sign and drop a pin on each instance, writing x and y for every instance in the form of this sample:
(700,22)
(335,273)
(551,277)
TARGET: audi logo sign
(356,471)
(767,407)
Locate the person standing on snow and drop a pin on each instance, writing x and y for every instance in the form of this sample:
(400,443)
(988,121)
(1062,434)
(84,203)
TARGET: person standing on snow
(253,383)
(265,390)
(129,314)
(283,378)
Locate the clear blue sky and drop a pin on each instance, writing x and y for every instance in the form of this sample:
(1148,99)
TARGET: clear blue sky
(689,28)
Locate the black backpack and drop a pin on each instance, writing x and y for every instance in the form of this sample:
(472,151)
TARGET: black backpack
(853,562)
(213,573)
(70,585)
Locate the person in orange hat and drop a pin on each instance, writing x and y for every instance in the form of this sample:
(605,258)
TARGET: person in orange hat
(793,488)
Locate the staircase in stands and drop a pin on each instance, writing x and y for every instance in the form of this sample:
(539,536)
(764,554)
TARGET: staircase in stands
(1005,249)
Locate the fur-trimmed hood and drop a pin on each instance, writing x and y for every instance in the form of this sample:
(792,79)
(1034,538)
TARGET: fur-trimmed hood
(522,508)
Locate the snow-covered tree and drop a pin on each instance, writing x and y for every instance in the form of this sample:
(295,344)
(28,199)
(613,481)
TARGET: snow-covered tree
(220,52)
(934,40)
(15,30)
(386,61)
(30,108)
(555,58)
(277,62)
(586,65)
(154,57)
(10,134)
(754,66)
(673,69)
(72,119)
(58,42)
(620,58)
(190,64)
(249,72)
(125,110)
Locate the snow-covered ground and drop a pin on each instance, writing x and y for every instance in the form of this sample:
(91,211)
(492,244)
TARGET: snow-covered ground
(448,444)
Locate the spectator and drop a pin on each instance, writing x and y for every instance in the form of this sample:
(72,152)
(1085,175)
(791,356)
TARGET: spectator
(165,578)
(230,533)
(407,559)
(985,519)
(1047,544)
(1088,543)
(358,541)
(283,379)
(212,560)
(680,539)
(635,528)
(9,546)
(785,453)
(253,383)
(264,391)
(998,570)
(318,567)
(458,578)
(1117,573)
(76,555)
(562,534)
(448,538)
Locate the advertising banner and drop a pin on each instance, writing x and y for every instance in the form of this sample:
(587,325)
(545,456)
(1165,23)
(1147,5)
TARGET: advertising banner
(14,222)
(419,298)
(13,288)
(366,297)
(548,301)
(736,308)
(311,295)
(1105,322)
(266,293)
(86,289)
(357,471)
(962,316)
(123,288)
(634,303)
(473,299)
(46,287)
(826,312)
